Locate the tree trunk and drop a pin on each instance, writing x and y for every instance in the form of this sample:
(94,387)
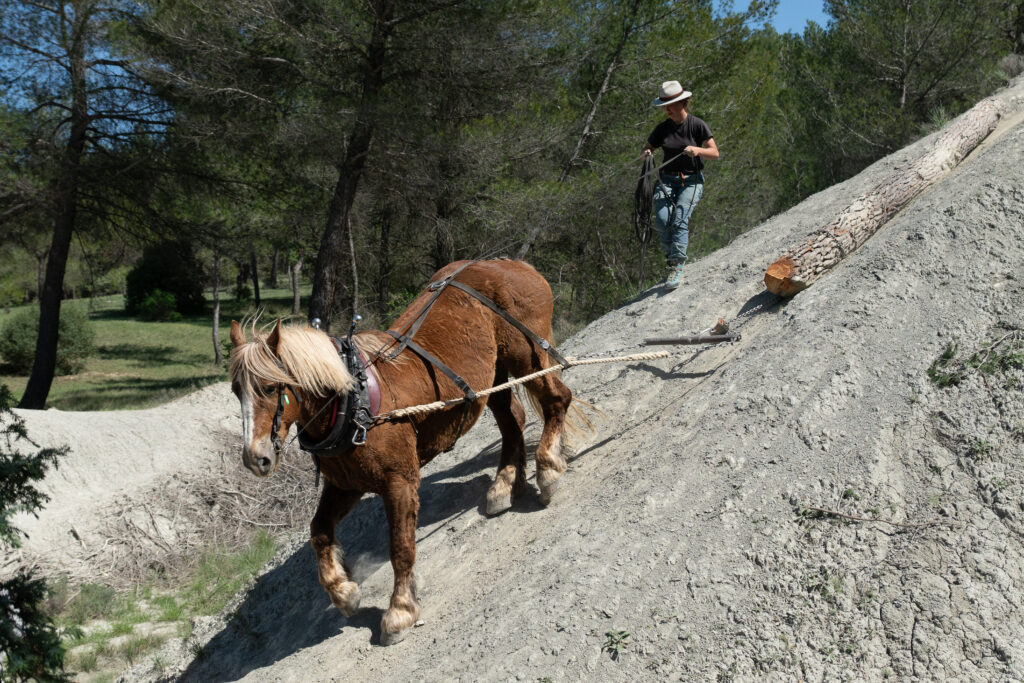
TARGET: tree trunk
(355,273)
(255,274)
(294,273)
(39,382)
(326,279)
(218,356)
(805,262)
(274,263)
(40,274)
(384,265)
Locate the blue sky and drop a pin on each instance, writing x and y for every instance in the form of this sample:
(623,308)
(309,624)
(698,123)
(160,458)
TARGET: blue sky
(792,15)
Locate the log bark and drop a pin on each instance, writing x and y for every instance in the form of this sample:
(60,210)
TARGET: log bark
(805,262)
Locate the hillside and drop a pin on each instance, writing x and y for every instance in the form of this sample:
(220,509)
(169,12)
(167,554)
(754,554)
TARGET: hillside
(684,519)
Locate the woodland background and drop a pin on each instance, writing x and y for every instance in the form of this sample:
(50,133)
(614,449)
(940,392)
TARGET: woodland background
(361,144)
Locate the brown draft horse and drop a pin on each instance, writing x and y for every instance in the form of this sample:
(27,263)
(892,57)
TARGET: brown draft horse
(302,363)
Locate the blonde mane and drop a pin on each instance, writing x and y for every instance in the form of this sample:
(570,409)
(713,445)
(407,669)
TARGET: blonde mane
(308,360)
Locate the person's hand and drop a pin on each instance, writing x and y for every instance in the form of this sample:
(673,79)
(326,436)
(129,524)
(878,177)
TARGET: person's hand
(647,152)
(692,151)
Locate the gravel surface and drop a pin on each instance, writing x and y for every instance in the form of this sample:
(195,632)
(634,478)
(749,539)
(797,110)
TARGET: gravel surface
(685,519)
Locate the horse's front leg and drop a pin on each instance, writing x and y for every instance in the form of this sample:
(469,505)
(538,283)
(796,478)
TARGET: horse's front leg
(334,576)
(511,477)
(401,502)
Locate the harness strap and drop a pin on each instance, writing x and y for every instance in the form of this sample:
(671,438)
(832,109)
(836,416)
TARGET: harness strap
(489,303)
(433,360)
(406,336)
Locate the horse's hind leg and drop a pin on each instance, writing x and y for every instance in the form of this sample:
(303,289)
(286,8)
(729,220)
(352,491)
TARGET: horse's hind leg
(334,576)
(511,477)
(554,399)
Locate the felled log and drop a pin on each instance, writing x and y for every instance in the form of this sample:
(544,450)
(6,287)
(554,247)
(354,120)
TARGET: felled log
(805,262)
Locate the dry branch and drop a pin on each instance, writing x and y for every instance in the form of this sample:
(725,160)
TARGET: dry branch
(855,518)
(805,262)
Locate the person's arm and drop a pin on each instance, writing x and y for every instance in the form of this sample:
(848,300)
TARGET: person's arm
(653,142)
(708,150)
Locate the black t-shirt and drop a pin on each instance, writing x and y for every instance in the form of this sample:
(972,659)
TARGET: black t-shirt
(675,137)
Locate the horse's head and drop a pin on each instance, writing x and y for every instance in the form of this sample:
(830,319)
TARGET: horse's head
(264,389)
(281,378)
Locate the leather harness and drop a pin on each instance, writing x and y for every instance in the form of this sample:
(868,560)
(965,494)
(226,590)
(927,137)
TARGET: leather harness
(353,414)
(404,339)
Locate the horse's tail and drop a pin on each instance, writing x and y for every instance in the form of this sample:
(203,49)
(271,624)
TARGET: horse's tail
(578,422)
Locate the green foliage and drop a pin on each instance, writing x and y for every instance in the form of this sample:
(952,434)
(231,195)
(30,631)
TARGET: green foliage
(616,643)
(242,292)
(159,305)
(549,157)
(939,371)
(91,601)
(75,344)
(997,357)
(220,575)
(171,267)
(30,646)
(19,470)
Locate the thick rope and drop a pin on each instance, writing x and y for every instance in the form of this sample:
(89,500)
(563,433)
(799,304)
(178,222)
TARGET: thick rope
(570,362)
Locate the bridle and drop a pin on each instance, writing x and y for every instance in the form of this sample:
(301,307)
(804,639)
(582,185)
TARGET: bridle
(275,428)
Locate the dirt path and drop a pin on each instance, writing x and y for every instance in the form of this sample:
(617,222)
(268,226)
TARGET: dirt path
(685,521)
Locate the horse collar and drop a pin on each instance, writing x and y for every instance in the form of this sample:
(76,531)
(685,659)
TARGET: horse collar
(352,413)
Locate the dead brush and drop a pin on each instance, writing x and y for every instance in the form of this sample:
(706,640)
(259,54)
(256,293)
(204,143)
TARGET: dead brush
(159,534)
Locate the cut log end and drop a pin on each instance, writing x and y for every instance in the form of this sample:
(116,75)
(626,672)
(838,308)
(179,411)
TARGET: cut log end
(779,278)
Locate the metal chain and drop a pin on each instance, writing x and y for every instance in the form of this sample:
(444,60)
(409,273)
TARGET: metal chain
(736,321)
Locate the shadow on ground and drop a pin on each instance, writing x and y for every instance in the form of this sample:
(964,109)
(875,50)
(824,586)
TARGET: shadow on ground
(151,355)
(131,393)
(264,629)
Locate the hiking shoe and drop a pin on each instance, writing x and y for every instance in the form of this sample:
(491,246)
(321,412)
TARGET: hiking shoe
(675,276)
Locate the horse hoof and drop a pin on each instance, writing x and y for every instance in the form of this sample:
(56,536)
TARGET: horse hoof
(548,485)
(395,625)
(498,504)
(393,638)
(346,598)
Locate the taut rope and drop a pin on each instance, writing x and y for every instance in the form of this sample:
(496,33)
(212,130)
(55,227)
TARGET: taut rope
(569,362)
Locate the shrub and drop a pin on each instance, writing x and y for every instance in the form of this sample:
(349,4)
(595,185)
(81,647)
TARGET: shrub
(170,267)
(159,305)
(74,345)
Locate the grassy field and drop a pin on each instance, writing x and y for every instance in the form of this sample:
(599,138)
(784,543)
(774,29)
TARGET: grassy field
(139,364)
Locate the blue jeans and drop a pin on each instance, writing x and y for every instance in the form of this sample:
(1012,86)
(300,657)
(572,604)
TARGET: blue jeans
(684,196)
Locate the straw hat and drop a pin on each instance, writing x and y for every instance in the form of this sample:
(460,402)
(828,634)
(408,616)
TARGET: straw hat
(670,92)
